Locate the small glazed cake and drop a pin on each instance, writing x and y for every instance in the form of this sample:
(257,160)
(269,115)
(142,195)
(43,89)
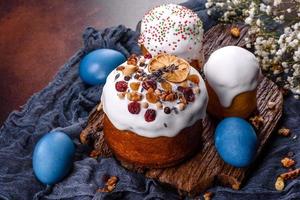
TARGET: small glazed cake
(232,75)
(154,110)
(175,30)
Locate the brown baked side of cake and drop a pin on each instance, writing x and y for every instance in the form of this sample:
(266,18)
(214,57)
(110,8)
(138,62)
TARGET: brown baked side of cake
(153,152)
(242,105)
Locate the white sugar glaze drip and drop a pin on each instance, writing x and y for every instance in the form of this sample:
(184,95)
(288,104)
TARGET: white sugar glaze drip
(230,71)
(116,110)
(172,29)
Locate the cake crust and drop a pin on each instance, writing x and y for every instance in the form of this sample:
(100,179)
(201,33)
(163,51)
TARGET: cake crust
(243,105)
(159,152)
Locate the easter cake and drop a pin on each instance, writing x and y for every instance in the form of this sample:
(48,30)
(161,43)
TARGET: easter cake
(153,110)
(232,75)
(173,29)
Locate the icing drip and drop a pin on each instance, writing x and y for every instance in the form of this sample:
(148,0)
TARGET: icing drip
(168,121)
(230,71)
(172,29)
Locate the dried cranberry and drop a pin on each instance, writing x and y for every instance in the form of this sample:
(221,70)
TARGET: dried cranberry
(121,86)
(187,93)
(148,56)
(167,110)
(127,78)
(134,107)
(150,115)
(149,84)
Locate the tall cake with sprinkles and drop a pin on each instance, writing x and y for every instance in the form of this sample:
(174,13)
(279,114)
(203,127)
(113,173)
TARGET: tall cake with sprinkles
(175,30)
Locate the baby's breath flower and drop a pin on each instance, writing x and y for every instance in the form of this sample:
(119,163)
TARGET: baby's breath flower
(248,20)
(208,4)
(278,52)
(269,10)
(258,22)
(276,3)
(209,11)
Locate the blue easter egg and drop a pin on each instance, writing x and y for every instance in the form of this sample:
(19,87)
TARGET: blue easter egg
(53,157)
(95,66)
(236,141)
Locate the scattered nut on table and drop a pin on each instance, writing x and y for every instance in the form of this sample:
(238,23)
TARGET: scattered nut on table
(290,174)
(208,195)
(279,184)
(257,121)
(284,131)
(235,32)
(110,185)
(287,162)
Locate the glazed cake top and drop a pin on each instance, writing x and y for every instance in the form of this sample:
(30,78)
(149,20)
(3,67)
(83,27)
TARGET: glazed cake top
(230,71)
(154,97)
(172,29)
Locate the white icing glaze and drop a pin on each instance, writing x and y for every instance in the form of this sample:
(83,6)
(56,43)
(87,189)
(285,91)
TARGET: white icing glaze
(172,29)
(231,70)
(116,110)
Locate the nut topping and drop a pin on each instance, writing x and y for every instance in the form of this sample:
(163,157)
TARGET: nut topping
(134,86)
(129,70)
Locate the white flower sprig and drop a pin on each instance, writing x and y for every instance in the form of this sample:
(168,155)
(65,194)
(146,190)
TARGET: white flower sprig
(274,35)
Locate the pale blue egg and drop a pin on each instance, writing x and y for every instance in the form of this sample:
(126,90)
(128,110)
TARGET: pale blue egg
(53,157)
(236,141)
(95,66)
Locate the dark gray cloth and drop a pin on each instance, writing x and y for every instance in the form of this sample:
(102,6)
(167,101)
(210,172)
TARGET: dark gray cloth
(64,105)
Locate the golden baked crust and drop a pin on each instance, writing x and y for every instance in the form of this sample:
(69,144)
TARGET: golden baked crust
(242,105)
(153,152)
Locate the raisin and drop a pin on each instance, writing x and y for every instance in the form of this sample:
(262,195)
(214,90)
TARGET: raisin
(149,84)
(134,107)
(121,86)
(150,115)
(187,93)
(167,110)
(127,78)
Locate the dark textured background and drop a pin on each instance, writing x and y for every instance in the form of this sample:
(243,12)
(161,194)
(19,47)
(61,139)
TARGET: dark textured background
(37,37)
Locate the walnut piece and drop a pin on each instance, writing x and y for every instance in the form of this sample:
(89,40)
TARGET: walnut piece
(110,185)
(287,162)
(291,174)
(279,184)
(208,195)
(284,131)
(257,121)
(235,32)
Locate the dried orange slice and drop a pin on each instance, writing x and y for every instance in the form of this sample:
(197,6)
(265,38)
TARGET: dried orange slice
(175,70)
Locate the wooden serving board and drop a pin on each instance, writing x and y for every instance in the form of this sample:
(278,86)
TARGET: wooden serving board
(205,168)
